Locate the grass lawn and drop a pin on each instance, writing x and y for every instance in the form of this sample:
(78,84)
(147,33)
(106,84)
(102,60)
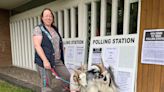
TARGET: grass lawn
(7,87)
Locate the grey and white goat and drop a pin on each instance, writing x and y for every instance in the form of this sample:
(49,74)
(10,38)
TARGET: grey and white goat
(96,79)
(101,79)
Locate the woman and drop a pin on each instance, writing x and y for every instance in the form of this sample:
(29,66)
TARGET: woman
(48,49)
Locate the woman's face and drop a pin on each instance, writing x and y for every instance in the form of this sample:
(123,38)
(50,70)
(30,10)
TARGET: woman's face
(47,18)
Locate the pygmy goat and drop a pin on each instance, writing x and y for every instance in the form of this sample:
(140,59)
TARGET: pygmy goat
(101,79)
(78,81)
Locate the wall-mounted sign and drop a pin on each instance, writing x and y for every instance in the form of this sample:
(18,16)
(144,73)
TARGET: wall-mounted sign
(120,53)
(153,47)
(74,52)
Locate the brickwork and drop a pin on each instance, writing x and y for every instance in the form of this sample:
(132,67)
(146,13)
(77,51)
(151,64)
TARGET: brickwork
(5,44)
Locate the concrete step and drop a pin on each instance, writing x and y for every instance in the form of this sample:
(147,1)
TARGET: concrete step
(26,78)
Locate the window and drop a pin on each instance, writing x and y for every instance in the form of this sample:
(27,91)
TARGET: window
(62,12)
(76,14)
(98,18)
(69,23)
(108,21)
(133,17)
(120,17)
(56,19)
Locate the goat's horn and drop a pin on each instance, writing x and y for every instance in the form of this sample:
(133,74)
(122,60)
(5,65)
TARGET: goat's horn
(82,67)
(102,68)
(77,71)
(102,62)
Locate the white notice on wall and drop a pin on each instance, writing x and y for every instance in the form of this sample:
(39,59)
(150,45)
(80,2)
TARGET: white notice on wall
(79,54)
(110,57)
(69,53)
(153,47)
(96,55)
(74,53)
(124,81)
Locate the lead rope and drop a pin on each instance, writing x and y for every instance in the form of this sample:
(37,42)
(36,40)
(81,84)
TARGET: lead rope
(44,79)
(48,35)
(62,79)
(50,38)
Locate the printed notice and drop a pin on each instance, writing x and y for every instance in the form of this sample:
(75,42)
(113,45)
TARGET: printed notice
(96,56)
(74,53)
(79,55)
(69,53)
(110,57)
(124,81)
(153,47)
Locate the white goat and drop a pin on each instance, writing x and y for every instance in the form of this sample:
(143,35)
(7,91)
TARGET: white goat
(78,81)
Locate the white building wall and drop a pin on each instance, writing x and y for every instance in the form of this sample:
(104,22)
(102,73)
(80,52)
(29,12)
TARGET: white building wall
(21,25)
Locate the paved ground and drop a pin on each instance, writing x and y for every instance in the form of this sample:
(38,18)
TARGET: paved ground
(26,78)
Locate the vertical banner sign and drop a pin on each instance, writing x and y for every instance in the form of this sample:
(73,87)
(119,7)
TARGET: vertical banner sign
(153,47)
(74,53)
(119,53)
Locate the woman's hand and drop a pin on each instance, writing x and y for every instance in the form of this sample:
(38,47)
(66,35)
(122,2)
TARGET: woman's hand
(46,64)
(37,44)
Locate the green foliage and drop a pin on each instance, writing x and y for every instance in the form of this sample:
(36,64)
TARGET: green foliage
(6,87)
